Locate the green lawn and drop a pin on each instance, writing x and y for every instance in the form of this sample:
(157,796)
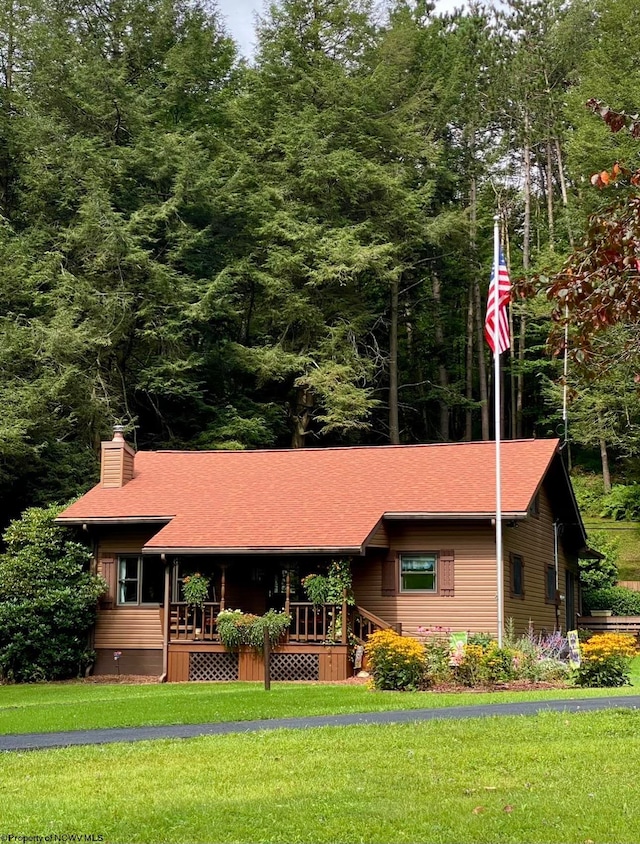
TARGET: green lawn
(49,707)
(546,778)
(627,534)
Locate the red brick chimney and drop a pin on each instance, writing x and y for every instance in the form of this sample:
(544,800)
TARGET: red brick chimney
(116,466)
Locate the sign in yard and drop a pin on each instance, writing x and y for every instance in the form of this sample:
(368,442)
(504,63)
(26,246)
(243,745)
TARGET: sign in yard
(574,648)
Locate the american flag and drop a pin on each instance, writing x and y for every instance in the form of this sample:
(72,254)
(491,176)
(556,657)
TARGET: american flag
(504,295)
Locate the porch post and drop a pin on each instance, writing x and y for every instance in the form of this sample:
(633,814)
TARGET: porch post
(344,637)
(287,592)
(166,620)
(223,585)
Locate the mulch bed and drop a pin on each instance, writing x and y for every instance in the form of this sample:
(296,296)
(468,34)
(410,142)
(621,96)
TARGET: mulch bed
(514,686)
(120,679)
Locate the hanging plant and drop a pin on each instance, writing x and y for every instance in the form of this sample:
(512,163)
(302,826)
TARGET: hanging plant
(330,588)
(237,628)
(316,587)
(195,588)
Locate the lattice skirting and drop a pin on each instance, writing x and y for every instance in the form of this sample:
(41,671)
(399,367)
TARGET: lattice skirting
(295,666)
(213,666)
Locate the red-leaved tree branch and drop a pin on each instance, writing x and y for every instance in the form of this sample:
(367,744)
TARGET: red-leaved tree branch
(599,285)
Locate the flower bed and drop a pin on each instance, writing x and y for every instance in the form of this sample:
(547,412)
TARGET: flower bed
(529,661)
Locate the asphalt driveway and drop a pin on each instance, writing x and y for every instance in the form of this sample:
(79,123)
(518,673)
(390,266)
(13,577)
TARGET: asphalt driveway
(42,741)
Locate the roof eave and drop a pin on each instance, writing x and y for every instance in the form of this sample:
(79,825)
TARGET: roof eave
(112,520)
(249,550)
(477,516)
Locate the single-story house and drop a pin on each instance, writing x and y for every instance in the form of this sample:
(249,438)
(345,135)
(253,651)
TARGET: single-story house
(417,523)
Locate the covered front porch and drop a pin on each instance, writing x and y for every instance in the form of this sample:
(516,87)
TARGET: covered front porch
(318,645)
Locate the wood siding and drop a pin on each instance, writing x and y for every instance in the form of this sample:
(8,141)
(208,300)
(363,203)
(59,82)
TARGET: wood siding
(117,464)
(117,628)
(533,540)
(473,606)
(132,661)
(128,627)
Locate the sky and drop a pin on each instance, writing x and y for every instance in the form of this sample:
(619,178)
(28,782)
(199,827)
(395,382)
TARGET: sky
(239,18)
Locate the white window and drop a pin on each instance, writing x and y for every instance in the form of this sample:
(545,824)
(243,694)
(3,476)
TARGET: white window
(418,572)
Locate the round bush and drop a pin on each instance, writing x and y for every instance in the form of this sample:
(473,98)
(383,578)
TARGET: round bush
(396,663)
(606,660)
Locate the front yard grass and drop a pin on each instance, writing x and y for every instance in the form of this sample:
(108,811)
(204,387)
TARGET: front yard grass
(545,778)
(49,707)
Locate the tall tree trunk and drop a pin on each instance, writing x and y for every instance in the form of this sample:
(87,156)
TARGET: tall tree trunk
(415,362)
(606,474)
(512,348)
(477,309)
(550,217)
(443,375)
(520,385)
(526,263)
(473,217)
(482,361)
(301,417)
(394,424)
(604,456)
(468,416)
(563,189)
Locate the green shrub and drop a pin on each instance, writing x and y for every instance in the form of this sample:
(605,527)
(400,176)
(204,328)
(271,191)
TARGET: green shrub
(623,502)
(437,652)
(589,490)
(468,665)
(481,666)
(618,599)
(597,574)
(396,663)
(500,664)
(48,600)
(553,671)
(482,639)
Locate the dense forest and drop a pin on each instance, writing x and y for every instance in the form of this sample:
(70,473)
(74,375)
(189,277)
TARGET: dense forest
(296,250)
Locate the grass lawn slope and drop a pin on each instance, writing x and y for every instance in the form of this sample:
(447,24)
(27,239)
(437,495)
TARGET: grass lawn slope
(545,778)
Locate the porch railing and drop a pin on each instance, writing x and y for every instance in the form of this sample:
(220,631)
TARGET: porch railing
(189,623)
(309,622)
(315,622)
(364,623)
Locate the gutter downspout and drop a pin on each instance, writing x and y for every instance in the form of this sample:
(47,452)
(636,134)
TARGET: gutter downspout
(166,619)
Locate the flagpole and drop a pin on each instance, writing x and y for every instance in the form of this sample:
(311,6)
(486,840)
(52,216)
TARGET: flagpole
(497,426)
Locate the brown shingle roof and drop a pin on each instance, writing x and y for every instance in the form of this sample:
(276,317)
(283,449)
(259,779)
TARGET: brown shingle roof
(326,498)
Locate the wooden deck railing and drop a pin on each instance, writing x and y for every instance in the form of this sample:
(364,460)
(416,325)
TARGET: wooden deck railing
(188,623)
(611,623)
(364,623)
(309,622)
(313,623)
